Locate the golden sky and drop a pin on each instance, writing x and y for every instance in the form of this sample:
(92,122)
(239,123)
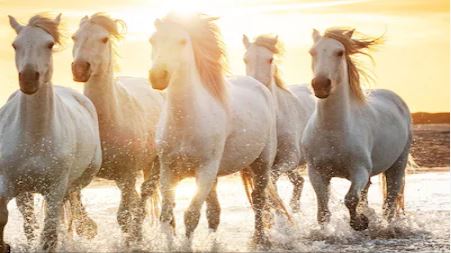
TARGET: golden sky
(414,61)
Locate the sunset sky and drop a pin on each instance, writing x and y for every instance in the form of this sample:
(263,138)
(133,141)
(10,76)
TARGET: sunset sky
(414,61)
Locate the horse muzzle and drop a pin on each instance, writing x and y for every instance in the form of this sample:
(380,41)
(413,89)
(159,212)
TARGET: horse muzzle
(159,78)
(321,86)
(81,71)
(29,81)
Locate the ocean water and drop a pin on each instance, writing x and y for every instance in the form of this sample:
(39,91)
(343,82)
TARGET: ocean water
(425,227)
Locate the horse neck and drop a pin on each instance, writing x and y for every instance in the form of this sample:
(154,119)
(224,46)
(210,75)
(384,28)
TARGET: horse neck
(335,112)
(185,94)
(101,89)
(37,111)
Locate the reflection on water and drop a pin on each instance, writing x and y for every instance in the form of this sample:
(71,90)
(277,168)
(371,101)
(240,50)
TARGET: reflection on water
(425,227)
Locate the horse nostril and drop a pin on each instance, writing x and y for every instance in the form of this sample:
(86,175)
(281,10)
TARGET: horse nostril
(36,75)
(165,74)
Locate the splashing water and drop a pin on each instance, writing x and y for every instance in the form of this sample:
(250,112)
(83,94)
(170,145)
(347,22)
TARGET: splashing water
(425,226)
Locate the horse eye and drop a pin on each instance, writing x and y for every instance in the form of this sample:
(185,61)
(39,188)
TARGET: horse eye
(340,53)
(50,45)
(74,38)
(270,60)
(182,42)
(104,40)
(14,46)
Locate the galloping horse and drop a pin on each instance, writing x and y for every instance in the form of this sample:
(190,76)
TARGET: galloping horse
(49,137)
(352,135)
(128,111)
(210,126)
(292,113)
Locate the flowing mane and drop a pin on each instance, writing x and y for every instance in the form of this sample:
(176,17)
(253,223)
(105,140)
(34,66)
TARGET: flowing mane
(273,44)
(115,27)
(208,49)
(47,24)
(352,47)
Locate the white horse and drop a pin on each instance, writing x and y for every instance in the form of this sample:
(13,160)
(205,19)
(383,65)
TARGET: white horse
(292,112)
(210,126)
(49,137)
(351,135)
(128,110)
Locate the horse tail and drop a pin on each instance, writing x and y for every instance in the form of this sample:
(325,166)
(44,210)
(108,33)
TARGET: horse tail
(150,190)
(274,200)
(248,183)
(411,164)
(383,182)
(400,199)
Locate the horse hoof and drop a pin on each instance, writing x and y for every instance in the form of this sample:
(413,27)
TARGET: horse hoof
(359,223)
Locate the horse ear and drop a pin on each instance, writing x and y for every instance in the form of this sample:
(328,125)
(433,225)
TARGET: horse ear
(246,42)
(157,23)
(315,35)
(14,24)
(349,33)
(84,19)
(58,19)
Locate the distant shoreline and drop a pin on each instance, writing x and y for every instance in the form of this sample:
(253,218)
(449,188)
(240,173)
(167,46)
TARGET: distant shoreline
(430,118)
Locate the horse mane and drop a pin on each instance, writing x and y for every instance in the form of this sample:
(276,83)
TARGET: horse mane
(354,46)
(273,44)
(208,49)
(115,27)
(47,24)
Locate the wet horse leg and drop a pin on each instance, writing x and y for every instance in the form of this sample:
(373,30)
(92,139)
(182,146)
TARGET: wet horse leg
(363,204)
(130,210)
(168,182)
(359,181)
(321,186)
(4,247)
(261,170)
(84,225)
(395,186)
(213,208)
(205,179)
(149,188)
(49,236)
(25,204)
(298,184)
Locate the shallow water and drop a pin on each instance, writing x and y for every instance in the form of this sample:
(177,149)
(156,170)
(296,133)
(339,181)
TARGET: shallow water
(425,227)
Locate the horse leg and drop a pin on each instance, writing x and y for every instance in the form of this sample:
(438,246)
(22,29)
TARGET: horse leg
(4,247)
(84,225)
(205,179)
(25,204)
(395,177)
(130,210)
(261,170)
(298,184)
(149,188)
(363,204)
(358,182)
(168,182)
(213,209)
(49,236)
(321,186)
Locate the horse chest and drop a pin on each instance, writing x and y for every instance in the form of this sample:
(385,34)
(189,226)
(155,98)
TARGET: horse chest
(333,154)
